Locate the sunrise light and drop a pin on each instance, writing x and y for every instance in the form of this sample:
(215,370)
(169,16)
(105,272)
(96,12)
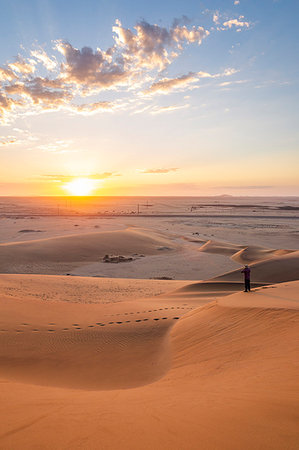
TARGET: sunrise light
(80,186)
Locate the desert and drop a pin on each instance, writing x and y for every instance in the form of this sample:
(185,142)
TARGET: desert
(163,351)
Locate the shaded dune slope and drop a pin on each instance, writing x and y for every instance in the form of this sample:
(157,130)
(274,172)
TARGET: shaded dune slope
(85,333)
(275,270)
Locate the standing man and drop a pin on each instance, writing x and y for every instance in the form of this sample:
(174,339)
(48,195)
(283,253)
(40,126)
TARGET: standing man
(246,272)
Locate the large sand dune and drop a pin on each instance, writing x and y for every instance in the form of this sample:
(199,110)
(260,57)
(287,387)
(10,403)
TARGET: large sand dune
(274,270)
(231,382)
(59,254)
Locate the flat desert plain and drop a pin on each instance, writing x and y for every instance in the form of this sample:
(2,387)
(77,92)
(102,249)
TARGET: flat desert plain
(157,348)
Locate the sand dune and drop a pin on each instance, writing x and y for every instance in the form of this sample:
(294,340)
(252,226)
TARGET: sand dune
(83,332)
(275,270)
(252,254)
(231,384)
(223,248)
(242,254)
(57,254)
(89,363)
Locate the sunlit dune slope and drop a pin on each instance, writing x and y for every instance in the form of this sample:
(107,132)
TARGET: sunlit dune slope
(233,384)
(66,250)
(242,254)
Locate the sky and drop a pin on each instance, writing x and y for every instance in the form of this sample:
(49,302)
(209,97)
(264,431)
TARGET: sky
(149,98)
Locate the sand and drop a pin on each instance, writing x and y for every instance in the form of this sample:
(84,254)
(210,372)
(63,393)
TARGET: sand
(97,362)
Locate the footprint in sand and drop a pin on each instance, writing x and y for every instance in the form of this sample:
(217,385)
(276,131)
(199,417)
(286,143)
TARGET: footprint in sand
(138,320)
(75,324)
(156,319)
(90,326)
(51,330)
(118,322)
(175,318)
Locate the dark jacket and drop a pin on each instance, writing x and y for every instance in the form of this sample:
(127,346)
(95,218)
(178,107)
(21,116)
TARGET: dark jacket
(246,272)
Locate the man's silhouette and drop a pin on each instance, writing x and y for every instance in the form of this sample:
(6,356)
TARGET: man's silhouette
(246,272)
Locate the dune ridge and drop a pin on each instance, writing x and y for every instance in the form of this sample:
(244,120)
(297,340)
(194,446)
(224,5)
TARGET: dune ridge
(242,254)
(231,383)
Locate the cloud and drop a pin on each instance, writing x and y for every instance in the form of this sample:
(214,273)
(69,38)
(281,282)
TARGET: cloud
(236,22)
(60,81)
(40,91)
(87,68)
(59,146)
(7,105)
(22,66)
(229,83)
(170,108)
(8,140)
(7,74)
(152,46)
(244,187)
(158,171)
(41,56)
(90,108)
(216,17)
(165,85)
(65,178)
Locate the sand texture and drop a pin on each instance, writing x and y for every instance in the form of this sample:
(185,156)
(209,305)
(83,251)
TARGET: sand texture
(165,351)
(225,375)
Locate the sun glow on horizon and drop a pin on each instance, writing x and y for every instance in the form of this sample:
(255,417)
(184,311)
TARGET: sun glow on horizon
(80,186)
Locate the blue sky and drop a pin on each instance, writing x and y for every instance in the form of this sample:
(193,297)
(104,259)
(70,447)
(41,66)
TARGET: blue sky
(192,98)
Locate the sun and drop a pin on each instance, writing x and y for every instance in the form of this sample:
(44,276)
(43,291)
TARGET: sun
(80,186)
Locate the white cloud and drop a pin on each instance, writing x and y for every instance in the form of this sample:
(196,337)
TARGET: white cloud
(41,56)
(135,60)
(237,23)
(171,108)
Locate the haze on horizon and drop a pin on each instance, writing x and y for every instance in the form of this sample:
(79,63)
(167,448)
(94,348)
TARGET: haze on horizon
(172,98)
